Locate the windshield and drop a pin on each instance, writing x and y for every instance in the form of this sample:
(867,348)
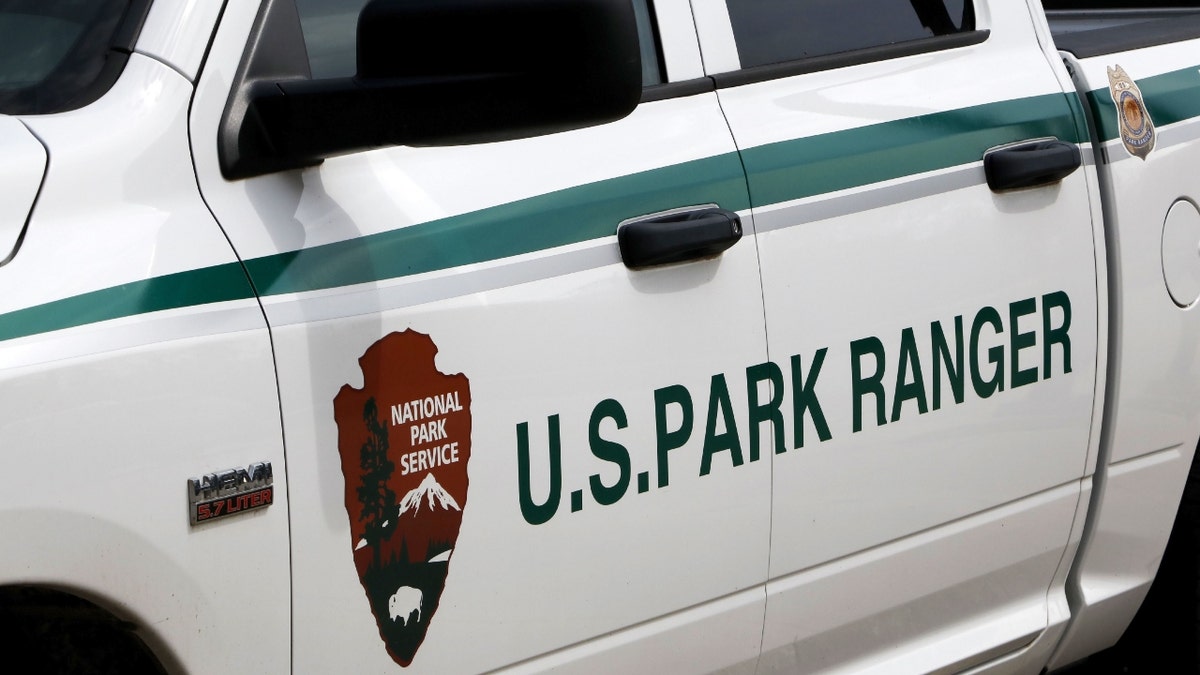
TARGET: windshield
(58,55)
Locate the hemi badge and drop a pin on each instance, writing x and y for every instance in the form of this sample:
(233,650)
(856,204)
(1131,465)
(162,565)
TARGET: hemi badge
(226,493)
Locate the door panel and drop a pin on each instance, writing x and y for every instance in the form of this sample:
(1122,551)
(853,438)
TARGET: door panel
(1154,422)
(518,443)
(946,336)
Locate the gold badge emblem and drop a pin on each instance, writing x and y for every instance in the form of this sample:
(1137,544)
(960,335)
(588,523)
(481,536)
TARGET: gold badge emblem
(1137,129)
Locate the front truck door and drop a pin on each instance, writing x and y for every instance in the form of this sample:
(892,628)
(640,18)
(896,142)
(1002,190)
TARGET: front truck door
(941,337)
(504,446)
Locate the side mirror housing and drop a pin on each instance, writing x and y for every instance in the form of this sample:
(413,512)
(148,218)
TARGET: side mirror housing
(433,72)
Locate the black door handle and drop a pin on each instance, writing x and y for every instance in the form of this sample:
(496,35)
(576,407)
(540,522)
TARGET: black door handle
(1030,165)
(678,237)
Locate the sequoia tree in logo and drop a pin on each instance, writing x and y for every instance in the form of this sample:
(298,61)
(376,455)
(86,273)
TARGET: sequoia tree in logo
(404,440)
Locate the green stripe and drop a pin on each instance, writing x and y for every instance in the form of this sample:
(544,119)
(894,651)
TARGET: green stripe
(826,163)
(780,172)
(555,219)
(1169,98)
(184,289)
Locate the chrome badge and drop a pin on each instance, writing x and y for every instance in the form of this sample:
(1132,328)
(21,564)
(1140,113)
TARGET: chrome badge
(1137,129)
(226,493)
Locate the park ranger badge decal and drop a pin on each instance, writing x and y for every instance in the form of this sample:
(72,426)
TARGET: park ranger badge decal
(1137,129)
(404,441)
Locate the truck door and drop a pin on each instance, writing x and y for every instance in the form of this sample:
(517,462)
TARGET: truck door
(1137,74)
(502,441)
(941,335)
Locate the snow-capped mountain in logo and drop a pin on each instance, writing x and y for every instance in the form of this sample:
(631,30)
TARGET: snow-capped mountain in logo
(430,492)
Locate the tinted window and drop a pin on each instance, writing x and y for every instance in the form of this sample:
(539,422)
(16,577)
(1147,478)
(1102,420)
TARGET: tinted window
(57,55)
(1118,4)
(775,31)
(329,33)
(330,27)
(652,72)
(33,47)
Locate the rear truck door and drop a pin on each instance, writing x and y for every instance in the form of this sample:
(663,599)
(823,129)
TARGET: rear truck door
(940,336)
(503,442)
(1139,77)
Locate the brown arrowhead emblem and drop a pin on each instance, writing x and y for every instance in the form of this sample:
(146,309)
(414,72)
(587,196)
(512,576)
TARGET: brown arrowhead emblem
(404,440)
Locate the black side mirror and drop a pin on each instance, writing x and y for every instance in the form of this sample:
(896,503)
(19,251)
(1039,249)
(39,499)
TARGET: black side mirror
(433,72)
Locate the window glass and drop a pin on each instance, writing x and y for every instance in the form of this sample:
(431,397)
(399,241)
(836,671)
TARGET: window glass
(33,46)
(54,52)
(776,31)
(330,28)
(651,69)
(1118,4)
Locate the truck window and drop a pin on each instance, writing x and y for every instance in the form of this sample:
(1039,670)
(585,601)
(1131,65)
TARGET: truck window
(1118,4)
(58,55)
(1091,28)
(330,25)
(778,31)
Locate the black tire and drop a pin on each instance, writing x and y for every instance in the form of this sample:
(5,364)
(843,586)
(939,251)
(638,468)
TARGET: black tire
(49,632)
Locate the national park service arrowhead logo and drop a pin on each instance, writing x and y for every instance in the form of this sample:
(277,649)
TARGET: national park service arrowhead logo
(1137,129)
(404,440)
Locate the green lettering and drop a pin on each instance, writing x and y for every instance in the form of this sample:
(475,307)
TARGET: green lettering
(954,365)
(1056,336)
(768,411)
(1020,377)
(718,402)
(870,385)
(608,451)
(804,400)
(985,388)
(905,390)
(534,513)
(669,440)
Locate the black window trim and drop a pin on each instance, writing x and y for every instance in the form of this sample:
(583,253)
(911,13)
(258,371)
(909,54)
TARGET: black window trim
(680,89)
(815,64)
(775,71)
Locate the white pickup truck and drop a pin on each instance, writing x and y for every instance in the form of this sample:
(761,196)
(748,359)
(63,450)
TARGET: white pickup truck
(598,335)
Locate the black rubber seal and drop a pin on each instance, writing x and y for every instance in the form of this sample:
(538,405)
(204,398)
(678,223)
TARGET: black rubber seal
(681,89)
(856,57)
